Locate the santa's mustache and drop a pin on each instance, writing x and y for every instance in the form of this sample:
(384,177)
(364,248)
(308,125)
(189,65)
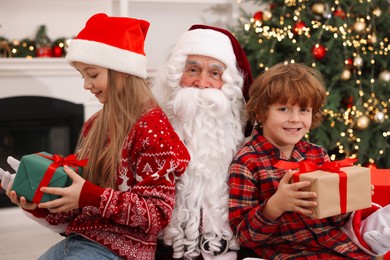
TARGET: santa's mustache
(189,102)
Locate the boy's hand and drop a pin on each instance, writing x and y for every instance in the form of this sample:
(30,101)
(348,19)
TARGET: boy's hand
(289,197)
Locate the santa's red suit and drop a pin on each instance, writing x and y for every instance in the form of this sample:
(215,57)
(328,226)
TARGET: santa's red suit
(370,229)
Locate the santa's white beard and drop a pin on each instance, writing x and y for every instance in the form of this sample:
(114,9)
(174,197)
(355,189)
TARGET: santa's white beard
(210,124)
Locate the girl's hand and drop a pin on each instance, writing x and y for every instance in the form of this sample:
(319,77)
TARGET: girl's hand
(289,197)
(21,202)
(69,199)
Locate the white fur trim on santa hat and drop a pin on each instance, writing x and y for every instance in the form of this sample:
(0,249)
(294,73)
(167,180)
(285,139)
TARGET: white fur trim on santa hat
(106,56)
(209,43)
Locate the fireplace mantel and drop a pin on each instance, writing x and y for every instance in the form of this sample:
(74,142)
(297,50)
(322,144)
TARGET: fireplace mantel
(10,67)
(48,77)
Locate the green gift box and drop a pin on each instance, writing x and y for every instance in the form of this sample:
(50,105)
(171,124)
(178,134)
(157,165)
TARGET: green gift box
(44,170)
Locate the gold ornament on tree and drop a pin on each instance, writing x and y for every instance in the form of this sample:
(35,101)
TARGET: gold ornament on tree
(318,8)
(377,12)
(345,75)
(379,117)
(358,61)
(359,26)
(267,15)
(372,38)
(384,75)
(362,122)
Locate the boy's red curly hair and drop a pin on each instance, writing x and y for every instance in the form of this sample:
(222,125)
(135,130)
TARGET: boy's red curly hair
(291,83)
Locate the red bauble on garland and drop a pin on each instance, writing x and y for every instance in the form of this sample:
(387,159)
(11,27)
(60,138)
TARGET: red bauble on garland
(258,16)
(299,27)
(318,51)
(44,52)
(58,51)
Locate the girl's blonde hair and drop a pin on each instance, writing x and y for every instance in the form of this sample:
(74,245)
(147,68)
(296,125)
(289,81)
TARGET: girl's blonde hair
(287,84)
(128,98)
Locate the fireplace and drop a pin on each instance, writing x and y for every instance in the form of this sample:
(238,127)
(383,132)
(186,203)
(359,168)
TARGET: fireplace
(34,124)
(42,108)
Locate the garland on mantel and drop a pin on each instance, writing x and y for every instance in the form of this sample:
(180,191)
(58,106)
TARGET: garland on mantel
(40,46)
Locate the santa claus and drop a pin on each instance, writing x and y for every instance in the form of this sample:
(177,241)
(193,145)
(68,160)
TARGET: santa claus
(202,88)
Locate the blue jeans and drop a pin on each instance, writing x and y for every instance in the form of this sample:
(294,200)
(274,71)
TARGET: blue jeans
(78,247)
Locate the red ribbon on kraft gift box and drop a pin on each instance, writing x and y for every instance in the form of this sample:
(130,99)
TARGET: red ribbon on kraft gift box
(333,167)
(58,161)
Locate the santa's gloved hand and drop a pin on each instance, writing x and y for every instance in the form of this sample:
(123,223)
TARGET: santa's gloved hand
(378,241)
(376,230)
(14,163)
(6,177)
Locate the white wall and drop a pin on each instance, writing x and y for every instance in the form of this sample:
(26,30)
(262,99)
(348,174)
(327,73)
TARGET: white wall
(65,18)
(169,19)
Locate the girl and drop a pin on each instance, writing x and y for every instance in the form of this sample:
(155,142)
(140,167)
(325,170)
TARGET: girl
(126,192)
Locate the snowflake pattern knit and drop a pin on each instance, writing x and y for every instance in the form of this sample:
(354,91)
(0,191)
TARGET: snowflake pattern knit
(127,220)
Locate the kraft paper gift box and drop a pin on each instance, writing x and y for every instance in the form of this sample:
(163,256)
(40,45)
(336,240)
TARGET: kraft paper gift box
(43,170)
(341,187)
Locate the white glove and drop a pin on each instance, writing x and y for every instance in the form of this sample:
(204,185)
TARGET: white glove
(378,241)
(232,255)
(14,163)
(376,230)
(6,177)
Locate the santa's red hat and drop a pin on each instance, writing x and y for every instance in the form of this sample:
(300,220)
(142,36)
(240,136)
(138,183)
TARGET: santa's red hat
(116,43)
(217,43)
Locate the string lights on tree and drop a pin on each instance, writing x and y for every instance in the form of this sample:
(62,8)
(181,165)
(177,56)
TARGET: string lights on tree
(348,42)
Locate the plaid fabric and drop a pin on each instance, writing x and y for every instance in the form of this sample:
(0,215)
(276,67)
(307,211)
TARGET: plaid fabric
(253,180)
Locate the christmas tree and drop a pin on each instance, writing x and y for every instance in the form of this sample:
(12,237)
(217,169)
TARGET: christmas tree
(348,42)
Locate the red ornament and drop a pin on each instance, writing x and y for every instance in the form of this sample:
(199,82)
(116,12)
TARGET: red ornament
(349,63)
(57,51)
(348,101)
(44,52)
(340,13)
(258,16)
(370,165)
(272,6)
(318,51)
(299,27)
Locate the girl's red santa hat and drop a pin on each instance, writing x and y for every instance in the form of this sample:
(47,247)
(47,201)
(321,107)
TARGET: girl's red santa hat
(116,43)
(219,44)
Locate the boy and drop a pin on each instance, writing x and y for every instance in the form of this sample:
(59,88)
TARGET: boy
(269,214)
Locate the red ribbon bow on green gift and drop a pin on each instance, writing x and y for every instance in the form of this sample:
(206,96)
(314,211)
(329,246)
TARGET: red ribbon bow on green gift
(333,167)
(58,161)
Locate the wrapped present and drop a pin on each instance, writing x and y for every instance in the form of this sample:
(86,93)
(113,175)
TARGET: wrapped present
(380,178)
(44,170)
(341,187)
